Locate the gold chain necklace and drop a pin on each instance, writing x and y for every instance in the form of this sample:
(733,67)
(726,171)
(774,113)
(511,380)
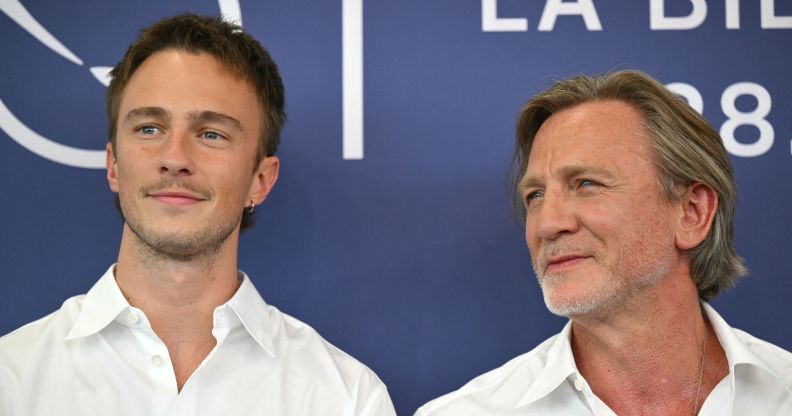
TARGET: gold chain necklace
(701,371)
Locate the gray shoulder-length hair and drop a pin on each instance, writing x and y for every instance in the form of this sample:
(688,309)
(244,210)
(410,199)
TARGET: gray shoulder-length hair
(685,147)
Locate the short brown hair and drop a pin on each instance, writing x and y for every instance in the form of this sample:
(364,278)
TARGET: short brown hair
(225,41)
(685,147)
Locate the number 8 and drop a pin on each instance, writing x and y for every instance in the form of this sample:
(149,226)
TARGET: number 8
(752,118)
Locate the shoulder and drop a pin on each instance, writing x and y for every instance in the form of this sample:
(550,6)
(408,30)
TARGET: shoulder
(303,349)
(745,349)
(496,390)
(776,359)
(26,352)
(41,333)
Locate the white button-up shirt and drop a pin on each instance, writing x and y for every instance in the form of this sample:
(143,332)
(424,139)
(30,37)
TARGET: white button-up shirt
(546,381)
(97,355)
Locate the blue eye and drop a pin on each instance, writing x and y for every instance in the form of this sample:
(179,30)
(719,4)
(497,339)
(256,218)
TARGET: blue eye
(533,195)
(148,130)
(589,186)
(211,135)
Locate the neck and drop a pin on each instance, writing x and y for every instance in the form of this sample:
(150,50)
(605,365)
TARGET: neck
(645,357)
(155,283)
(178,296)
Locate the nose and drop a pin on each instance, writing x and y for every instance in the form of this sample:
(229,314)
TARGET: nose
(553,217)
(176,157)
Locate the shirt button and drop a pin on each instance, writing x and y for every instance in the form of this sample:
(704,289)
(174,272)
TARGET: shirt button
(579,385)
(156,361)
(132,318)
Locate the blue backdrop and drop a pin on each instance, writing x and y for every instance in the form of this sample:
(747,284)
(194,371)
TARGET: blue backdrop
(408,258)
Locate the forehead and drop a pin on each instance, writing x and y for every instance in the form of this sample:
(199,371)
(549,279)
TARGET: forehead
(181,81)
(602,134)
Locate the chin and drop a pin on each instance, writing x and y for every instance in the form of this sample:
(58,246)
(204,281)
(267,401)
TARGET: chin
(569,309)
(568,302)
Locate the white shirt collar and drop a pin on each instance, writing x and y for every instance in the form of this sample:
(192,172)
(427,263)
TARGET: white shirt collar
(737,352)
(559,366)
(253,313)
(104,303)
(100,306)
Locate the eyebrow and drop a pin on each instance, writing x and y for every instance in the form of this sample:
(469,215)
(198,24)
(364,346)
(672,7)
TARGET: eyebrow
(194,116)
(567,172)
(214,117)
(147,112)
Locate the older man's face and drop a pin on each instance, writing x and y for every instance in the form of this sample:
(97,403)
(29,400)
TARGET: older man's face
(597,227)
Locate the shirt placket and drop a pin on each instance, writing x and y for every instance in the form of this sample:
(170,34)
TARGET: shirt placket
(187,403)
(156,358)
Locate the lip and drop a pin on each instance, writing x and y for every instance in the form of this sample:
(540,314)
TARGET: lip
(178,198)
(560,264)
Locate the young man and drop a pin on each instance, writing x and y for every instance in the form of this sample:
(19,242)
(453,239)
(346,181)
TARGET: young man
(195,108)
(629,197)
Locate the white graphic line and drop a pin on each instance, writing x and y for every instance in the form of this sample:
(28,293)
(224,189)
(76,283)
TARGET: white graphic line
(230,11)
(352,61)
(17,12)
(40,145)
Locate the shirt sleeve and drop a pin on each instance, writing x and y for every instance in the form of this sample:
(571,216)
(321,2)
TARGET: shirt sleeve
(379,404)
(421,412)
(8,392)
(372,396)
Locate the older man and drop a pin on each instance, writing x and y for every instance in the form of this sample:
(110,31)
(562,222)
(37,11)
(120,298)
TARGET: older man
(628,196)
(173,328)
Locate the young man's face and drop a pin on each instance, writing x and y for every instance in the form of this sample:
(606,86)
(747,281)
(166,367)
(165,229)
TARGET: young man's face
(597,226)
(185,158)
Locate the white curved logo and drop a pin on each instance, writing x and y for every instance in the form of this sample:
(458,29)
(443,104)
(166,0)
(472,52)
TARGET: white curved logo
(40,145)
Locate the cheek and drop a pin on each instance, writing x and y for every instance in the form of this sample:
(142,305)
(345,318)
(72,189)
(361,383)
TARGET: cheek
(237,187)
(602,219)
(134,162)
(530,232)
(532,241)
(646,238)
(123,176)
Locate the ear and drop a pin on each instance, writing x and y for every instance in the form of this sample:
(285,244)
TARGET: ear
(264,179)
(112,169)
(697,211)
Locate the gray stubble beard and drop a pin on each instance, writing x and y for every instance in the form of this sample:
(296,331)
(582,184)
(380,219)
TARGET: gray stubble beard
(604,302)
